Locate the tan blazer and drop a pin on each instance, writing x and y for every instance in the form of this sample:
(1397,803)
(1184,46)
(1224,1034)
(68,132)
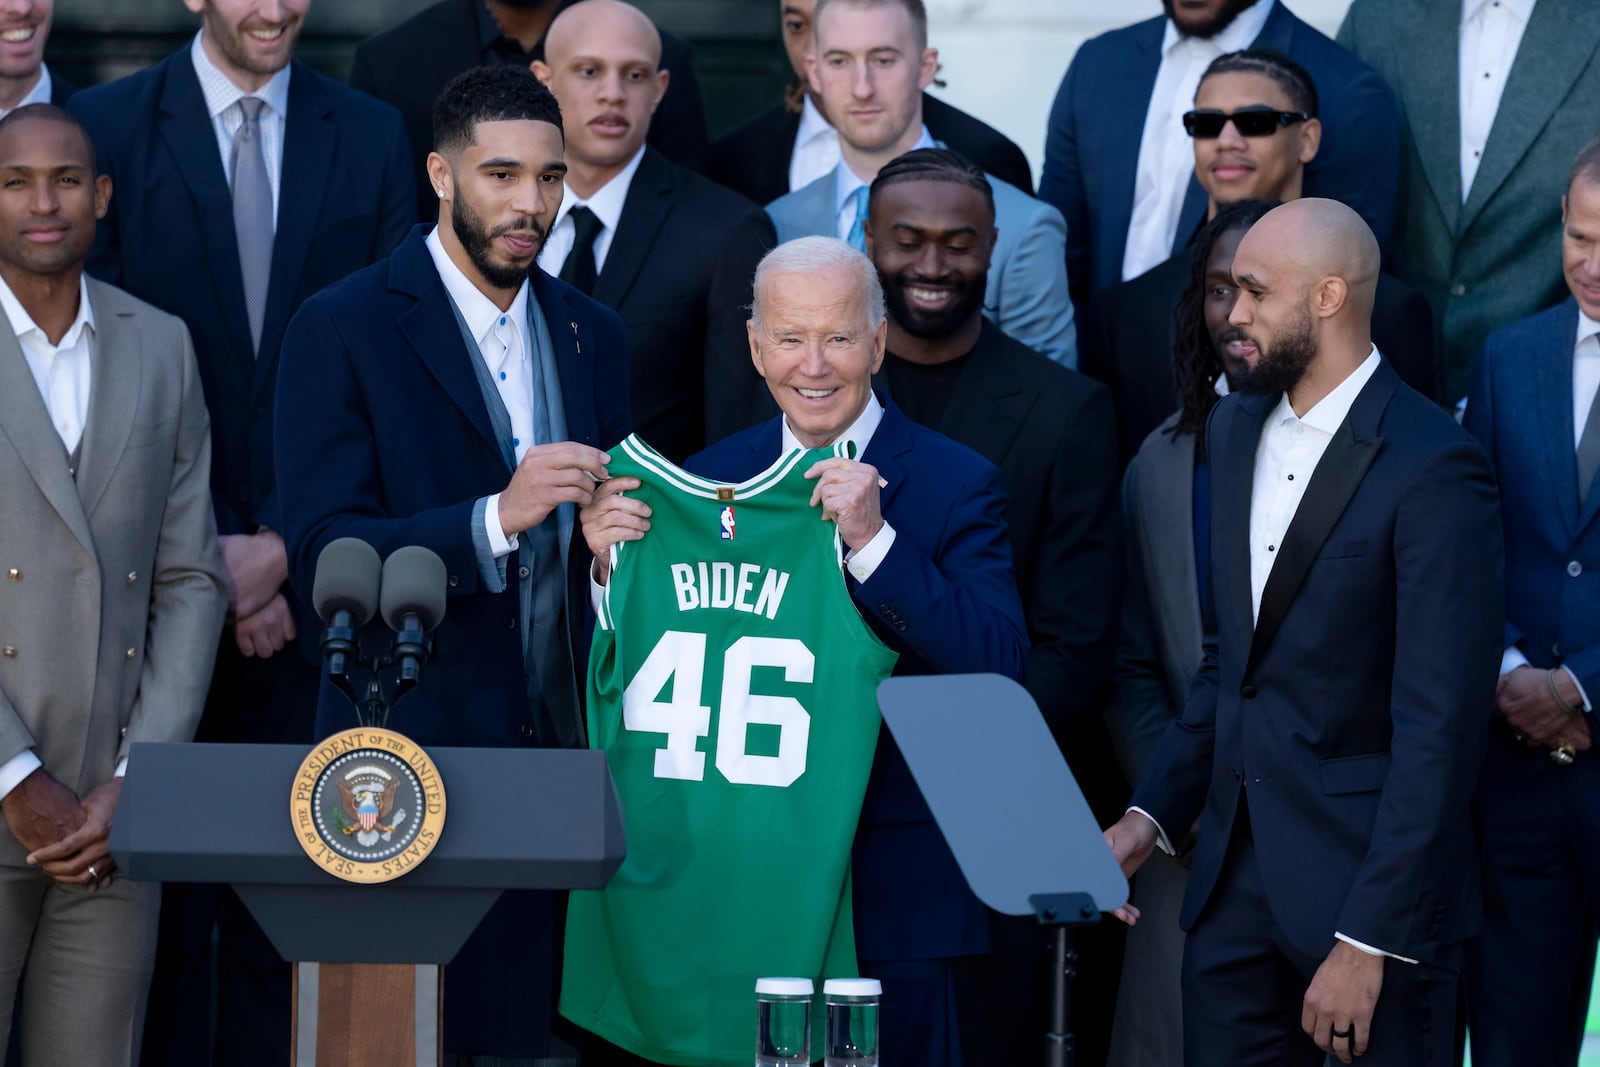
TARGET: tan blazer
(111,592)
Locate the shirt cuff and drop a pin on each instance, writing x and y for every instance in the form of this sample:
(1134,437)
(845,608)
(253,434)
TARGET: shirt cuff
(1579,686)
(597,593)
(499,543)
(122,768)
(15,769)
(862,564)
(1369,950)
(1511,659)
(1162,840)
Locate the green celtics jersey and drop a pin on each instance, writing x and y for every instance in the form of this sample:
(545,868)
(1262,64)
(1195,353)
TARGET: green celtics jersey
(732,685)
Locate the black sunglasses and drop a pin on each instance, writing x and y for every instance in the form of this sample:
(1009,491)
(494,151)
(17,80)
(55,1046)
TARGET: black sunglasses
(1250,122)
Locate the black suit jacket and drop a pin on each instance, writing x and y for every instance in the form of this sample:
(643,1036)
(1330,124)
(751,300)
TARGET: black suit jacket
(754,158)
(1048,431)
(1354,709)
(679,272)
(345,200)
(409,64)
(1127,343)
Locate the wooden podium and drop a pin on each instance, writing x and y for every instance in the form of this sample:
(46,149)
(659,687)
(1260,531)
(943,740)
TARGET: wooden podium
(369,959)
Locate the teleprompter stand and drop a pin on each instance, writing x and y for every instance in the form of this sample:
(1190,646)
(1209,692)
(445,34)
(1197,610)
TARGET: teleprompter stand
(1014,817)
(367,980)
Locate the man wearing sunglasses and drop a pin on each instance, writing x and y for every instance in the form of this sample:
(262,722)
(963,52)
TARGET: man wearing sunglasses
(1255,134)
(1142,78)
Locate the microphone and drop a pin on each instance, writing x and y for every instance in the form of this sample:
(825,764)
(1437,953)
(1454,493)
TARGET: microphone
(345,595)
(414,582)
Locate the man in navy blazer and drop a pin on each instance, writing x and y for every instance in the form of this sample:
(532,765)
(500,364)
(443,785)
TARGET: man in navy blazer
(928,561)
(1533,407)
(1093,148)
(456,397)
(1334,732)
(331,193)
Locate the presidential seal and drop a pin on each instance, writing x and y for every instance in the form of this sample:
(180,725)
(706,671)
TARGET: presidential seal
(367,805)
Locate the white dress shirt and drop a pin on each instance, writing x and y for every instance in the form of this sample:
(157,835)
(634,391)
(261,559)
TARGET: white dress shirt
(1491,31)
(847,181)
(61,371)
(816,147)
(606,203)
(861,564)
(504,349)
(1166,154)
(1585,383)
(39,94)
(1287,454)
(222,104)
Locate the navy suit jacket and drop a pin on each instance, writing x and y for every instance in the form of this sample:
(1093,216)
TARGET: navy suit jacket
(383,435)
(945,599)
(1354,711)
(345,200)
(1092,140)
(1520,407)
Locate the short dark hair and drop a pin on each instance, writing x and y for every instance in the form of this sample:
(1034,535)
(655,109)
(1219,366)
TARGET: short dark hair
(914,8)
(1586,166)
(933,165)
(1291,77)
(51,113)
(501,93)
(1195,362)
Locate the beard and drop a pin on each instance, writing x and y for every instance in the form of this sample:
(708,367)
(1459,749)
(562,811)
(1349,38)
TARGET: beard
(229,41)
(1280,368)
(933,326)
(1206,28)
(477,239)
(1231,367)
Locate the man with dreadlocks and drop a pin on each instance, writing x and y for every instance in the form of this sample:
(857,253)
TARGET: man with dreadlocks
(930,230)
(1255,132)
(1165,500)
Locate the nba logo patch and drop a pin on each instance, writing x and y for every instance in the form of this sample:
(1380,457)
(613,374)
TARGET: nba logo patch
(727,524)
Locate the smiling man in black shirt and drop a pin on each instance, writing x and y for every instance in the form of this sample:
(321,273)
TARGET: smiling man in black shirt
(930,232)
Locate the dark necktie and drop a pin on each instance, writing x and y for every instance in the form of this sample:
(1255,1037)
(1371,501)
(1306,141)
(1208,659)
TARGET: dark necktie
(252,214)
(1589,450)
(579,270)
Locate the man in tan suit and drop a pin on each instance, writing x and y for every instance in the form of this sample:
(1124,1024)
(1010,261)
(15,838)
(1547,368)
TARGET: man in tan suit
(111,598)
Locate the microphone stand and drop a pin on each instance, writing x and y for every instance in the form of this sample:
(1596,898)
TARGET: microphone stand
(372,703)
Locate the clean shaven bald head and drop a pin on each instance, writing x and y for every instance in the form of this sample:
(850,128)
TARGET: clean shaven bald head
(584,24)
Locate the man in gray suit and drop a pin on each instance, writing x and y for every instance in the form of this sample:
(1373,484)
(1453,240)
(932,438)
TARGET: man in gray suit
(1164,495)
(1496,106)
(111,597)
(869,67)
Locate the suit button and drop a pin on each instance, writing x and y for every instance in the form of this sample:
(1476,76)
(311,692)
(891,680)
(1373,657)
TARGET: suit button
(454,581)
(1458,289)
(511,622)
(900,624)
(122,733)
(8,652)
(1248,692)
(14,574)
(133,576)
(130,653)
(1574,568)
(1555,650)
(527,731)
(522,572)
